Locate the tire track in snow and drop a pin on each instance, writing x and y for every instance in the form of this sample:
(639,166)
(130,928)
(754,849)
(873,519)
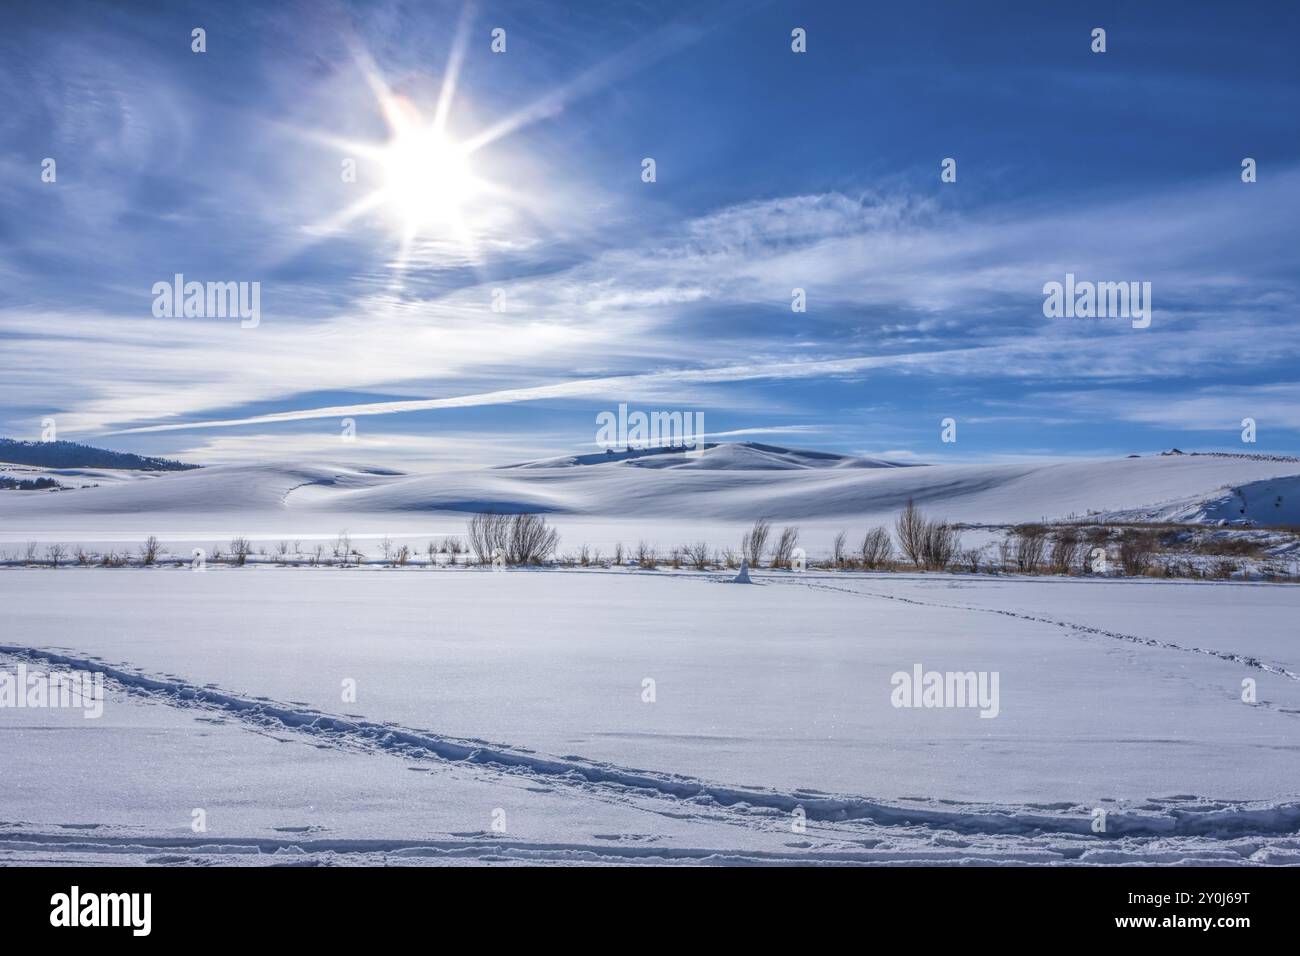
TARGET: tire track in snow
(1154,818)
(1243,659)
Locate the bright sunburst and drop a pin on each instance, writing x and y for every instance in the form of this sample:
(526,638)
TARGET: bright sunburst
(428,179)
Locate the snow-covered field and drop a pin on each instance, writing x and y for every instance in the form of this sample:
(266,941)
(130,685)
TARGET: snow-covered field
(504,716)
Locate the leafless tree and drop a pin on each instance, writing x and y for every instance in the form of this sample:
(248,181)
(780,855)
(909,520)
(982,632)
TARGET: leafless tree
(488,534)
(531,541)
(646,556)
(55,553)
(785,546)
(1030,548)
(837,548)
(618,555)
(240,549)
(698,555)
(1137,551)
(149,551)
(940,544)
(754,543)
(911,531)
(877,548)
(1064,556)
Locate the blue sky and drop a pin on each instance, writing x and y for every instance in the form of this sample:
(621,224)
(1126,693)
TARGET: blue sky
(775,170)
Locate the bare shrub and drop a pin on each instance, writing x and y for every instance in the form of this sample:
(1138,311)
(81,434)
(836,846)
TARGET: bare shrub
(1030,548)
(55,554)
(785,546)
(838,553)
(618,554)
(240,549)
(1064,556)
(728,559)
(584,556)
(83,556)
(754,544)
(29,553)
(646,556)
(972,559)
(698,555)
(531,540)
(343,547)
(877,548)
(149,551)
(911,532)
(1137,551)
(487,534)
(940,542)
(402,556)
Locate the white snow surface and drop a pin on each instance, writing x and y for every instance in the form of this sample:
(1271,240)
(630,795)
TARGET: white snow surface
(523,692)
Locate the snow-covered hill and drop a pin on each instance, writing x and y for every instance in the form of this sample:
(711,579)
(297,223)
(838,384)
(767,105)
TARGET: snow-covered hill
(727,483)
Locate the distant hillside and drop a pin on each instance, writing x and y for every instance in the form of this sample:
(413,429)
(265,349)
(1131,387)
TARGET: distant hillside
(67,454)
(716,456)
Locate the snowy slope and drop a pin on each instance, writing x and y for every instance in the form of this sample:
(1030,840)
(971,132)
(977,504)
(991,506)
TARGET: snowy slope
(728,483)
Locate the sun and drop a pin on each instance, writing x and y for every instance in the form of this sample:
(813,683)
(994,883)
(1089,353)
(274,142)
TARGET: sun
(428,179)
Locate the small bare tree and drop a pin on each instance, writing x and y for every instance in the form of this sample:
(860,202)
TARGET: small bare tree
(1064,556)
(754,544)
(877,548)
(698,555)
(487,534)
(240,549)
(531,540)
(837,548)
(29,553)
(939,545)
(55,553)
(1137,551)
(149,551)
(618,555)
(911,531)
(647,558)
(1030,548)
(785,546)
(343,547)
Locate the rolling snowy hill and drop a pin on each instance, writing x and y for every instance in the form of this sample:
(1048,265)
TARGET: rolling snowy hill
(728,483)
